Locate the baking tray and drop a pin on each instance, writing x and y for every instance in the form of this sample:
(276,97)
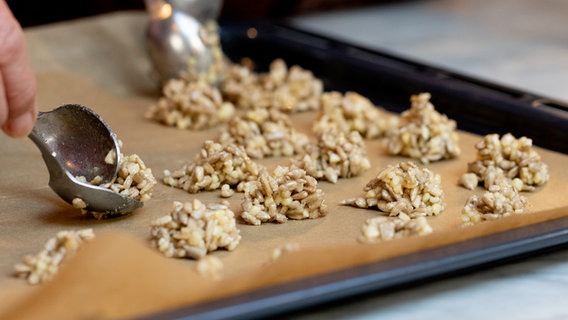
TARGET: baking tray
(478,106)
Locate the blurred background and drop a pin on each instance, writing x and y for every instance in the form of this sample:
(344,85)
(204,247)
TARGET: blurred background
(37,12)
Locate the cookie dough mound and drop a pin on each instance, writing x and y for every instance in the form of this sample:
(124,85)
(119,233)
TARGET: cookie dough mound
(353,112)
(289,193)
(193,229)
(240,86)
(423,133)
(216,166)
(506,158)
(403,188)
(499,201)
(335,155)
(43,266)
(264,133)
(191,105)
(286,89)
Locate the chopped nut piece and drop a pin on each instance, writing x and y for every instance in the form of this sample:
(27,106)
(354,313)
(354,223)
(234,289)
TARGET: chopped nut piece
(44,265)
(424,133)
(336,155)
(111,157)
(226,191)
(510,159)
(287,194)
(191,105)
(79,203)
(353,112)
(264,133)
(404,188)
(192,229)
(499,201)
(286,89)
(96,180)
(389,228)
(213,167)
(469,181)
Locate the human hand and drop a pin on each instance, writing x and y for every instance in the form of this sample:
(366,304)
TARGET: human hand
(18,108)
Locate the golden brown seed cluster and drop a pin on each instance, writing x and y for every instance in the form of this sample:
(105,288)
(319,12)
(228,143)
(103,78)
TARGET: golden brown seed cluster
(289,193)
(505,166)
(499,201)
(44,265)
(403,188)
(506,158)
(191,105)
(264,133)
(215,167)
(192,229)
(286,89)
(335,155)
(423,133)
(353,112)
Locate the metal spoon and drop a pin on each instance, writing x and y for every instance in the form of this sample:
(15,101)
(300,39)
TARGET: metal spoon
(174,35)
(74,141)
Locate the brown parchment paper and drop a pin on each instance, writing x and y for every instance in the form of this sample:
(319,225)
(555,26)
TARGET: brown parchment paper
(118,274)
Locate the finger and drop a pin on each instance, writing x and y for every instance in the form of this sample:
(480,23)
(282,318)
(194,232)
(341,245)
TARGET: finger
(3,104)
(17,78)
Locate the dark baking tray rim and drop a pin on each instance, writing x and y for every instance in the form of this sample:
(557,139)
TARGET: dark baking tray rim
(479,106)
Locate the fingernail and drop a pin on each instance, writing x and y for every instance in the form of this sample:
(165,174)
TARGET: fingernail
(20,126)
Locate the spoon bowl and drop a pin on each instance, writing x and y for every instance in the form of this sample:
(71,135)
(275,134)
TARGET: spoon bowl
(75,142)
(175,36)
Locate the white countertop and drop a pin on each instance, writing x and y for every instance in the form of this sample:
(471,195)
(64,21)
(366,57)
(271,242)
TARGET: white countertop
(521,44)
